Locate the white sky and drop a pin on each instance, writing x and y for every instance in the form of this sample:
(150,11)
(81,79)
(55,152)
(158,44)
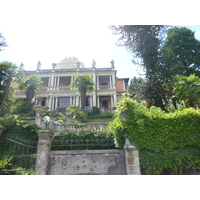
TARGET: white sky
(49,31)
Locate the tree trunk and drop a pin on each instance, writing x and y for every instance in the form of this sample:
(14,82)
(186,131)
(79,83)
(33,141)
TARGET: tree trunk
(8,82)
(83,97)
(29,95)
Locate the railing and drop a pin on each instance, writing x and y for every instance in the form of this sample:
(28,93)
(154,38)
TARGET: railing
(71,127)
(83,144)
(28,119)
(54,88)
(78,127)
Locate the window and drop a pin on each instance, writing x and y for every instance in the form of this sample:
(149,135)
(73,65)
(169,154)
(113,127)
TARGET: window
(63,102)
(87,102)
(105,103)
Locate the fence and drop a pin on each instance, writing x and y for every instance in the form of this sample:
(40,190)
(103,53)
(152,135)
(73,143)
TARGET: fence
(83,144)
(17,156)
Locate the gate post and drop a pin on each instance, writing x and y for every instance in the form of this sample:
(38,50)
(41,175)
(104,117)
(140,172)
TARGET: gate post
(131,159)
(1,130)
(43,151)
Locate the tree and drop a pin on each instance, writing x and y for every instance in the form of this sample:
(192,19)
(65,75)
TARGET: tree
(187,89)
(181,51)
(83,83)
(144,41)
(30,85)
(9,72)
(135,88)
(2,42)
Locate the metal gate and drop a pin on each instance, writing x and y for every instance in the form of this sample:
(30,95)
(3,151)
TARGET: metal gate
(17,156)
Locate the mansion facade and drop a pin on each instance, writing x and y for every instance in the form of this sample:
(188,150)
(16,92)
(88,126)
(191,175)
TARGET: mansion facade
(57,95)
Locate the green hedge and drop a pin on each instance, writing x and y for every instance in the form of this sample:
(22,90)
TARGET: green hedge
(158,133)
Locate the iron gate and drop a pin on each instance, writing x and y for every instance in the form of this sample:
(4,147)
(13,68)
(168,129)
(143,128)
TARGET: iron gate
(17,156)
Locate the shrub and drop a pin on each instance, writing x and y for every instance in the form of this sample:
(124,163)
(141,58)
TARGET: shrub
(61,118)
(95,110)
(158,133)
(76,113)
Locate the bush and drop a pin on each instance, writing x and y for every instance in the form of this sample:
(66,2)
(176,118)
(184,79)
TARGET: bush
(61,118)
(158,133)
(76,113)
(22,107)
(95,111)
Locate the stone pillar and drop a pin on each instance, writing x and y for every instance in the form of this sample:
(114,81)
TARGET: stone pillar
(131,159)
(94,100)
(53,100)
(111,98)
(56,103)
(114,100)
(1,130)
(111,85)
(77,100)
(43,151)
(97,82)
(113,81)
(98,103)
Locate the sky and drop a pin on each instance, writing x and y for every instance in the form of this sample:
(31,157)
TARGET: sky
(48,32)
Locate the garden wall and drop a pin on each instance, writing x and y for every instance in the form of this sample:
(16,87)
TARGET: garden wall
(87,162)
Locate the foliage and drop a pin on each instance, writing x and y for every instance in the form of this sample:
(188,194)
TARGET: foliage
(187,89)
(181,51)
(30,85)
(22,107)
(2,42)
(61,118)
(14,126)
(135,88)
(76,113)
(47,113)
(8,167)
(95,110)
(9,73)
(60,139)
(83,83)
(144,41)
(156,132)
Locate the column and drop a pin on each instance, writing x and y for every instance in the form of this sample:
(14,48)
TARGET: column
(90,100)
(98,103)
(49,83)
(43,151)
(115,100)
(113,81)
(50,102)
(94,79)
(97,82)
(77,100)
(47,102)
(131,159)
(56,103)
(52,82)
(70,100)
(111,101)
(94,100)
(58,83)
(111,85)
(53,100)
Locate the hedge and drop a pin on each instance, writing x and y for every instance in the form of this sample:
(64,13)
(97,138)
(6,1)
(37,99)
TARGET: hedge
(155,132)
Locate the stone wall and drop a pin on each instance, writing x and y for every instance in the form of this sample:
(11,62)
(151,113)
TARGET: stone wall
(87,162)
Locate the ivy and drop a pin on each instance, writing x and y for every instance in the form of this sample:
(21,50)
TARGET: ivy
(165,140)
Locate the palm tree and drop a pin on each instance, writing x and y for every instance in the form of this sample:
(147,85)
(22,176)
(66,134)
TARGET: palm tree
(30,85)
(9,72)
(83,83)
